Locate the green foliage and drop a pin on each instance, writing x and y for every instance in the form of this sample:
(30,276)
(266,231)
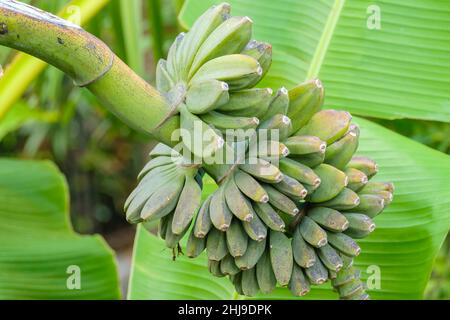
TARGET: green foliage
(38,244)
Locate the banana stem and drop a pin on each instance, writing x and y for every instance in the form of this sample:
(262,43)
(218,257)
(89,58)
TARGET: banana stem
(90,63)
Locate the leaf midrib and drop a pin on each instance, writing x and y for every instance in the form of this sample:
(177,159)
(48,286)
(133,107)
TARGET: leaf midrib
(325,39)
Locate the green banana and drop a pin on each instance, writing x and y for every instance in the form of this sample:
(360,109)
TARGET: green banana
(304,101)
(162,227)
(254,251)
(163,80)
(373,187)
(219,212)
(237,282)
(262,169)
(262,52)
(360,225)
(188,204)
(353,287)
(162,150)
(298,284)
(216,245)
(228,267)
(330,258)
(328,218)
(227,122)
(203,222)
(171,239)
(303,253)
(370,205)
(228,38)
(345,275)
(237,70)
(173,65)
(269,216)
(280,201)
(281,257)
(214,268)
(237,239)
(291,187)
(196,130)
(356,179)
(206,96)
(364,164)
(197,35)
(247,103)
(340,152)
(302,145)
(311,160)
(194,246)
(250,187)
(265,275)
(328,125)
(277,127)
(332,180)
(155,163)
(236,201)
(345,200)
(300,172)
(317,273)
(249,282)
(255,228)
(278,105)
(312,232)
(343,243)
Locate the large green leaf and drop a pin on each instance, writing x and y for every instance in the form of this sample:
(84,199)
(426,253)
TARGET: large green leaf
(39,251)
(408,236)
(401,70)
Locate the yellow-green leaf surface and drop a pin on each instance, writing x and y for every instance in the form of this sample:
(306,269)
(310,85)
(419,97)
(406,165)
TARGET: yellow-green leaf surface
(399,70)
(40,254)
(408,235)
(24,68)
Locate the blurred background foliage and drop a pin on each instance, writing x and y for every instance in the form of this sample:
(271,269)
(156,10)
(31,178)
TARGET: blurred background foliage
(99,154)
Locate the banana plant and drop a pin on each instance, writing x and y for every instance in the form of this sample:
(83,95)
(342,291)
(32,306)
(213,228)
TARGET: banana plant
(387,253)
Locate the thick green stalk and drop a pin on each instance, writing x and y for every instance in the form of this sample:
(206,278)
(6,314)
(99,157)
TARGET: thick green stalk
(89,62)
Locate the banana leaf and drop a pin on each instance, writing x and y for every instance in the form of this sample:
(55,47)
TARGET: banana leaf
(41,257)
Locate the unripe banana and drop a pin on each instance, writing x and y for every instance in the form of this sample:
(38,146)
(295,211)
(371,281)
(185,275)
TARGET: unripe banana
(237,282)
(236,201)
(205,96)
(262,52)
(254,251)
(373,187)
(277,127)
(249,282)
(194,246)
(303,253)
(280,201)
(313,233)
(228,267)
(281,257)
(328,125)
(340,152)
(224,122)
(360,225)
(216,245)
(250,187)
(300,172)
(173,65)
(343,243)
(278,105)
(255,228)
(203,220)
(188,204)
(299,284)
(317,273)
(311,160)
(330,258)
(214,268)
(248,103)
(332,180)
(262,169)
(219,212)
(162,150)
(301,145)
(265,275)
(329,219)
(201,29)
(345,200)
(269,216)
(356,179)
(230,37)
(364,164)
(171,239)
(370,205)
(304,101)
(237,70)
(237,239)
(291,187)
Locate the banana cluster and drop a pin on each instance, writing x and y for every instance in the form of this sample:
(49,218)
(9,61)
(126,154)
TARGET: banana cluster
(288,216)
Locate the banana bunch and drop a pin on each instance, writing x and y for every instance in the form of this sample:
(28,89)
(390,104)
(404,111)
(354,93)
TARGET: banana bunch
(169,190)
(209,78)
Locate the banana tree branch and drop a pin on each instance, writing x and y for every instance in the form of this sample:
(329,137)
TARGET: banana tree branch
(90,63)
